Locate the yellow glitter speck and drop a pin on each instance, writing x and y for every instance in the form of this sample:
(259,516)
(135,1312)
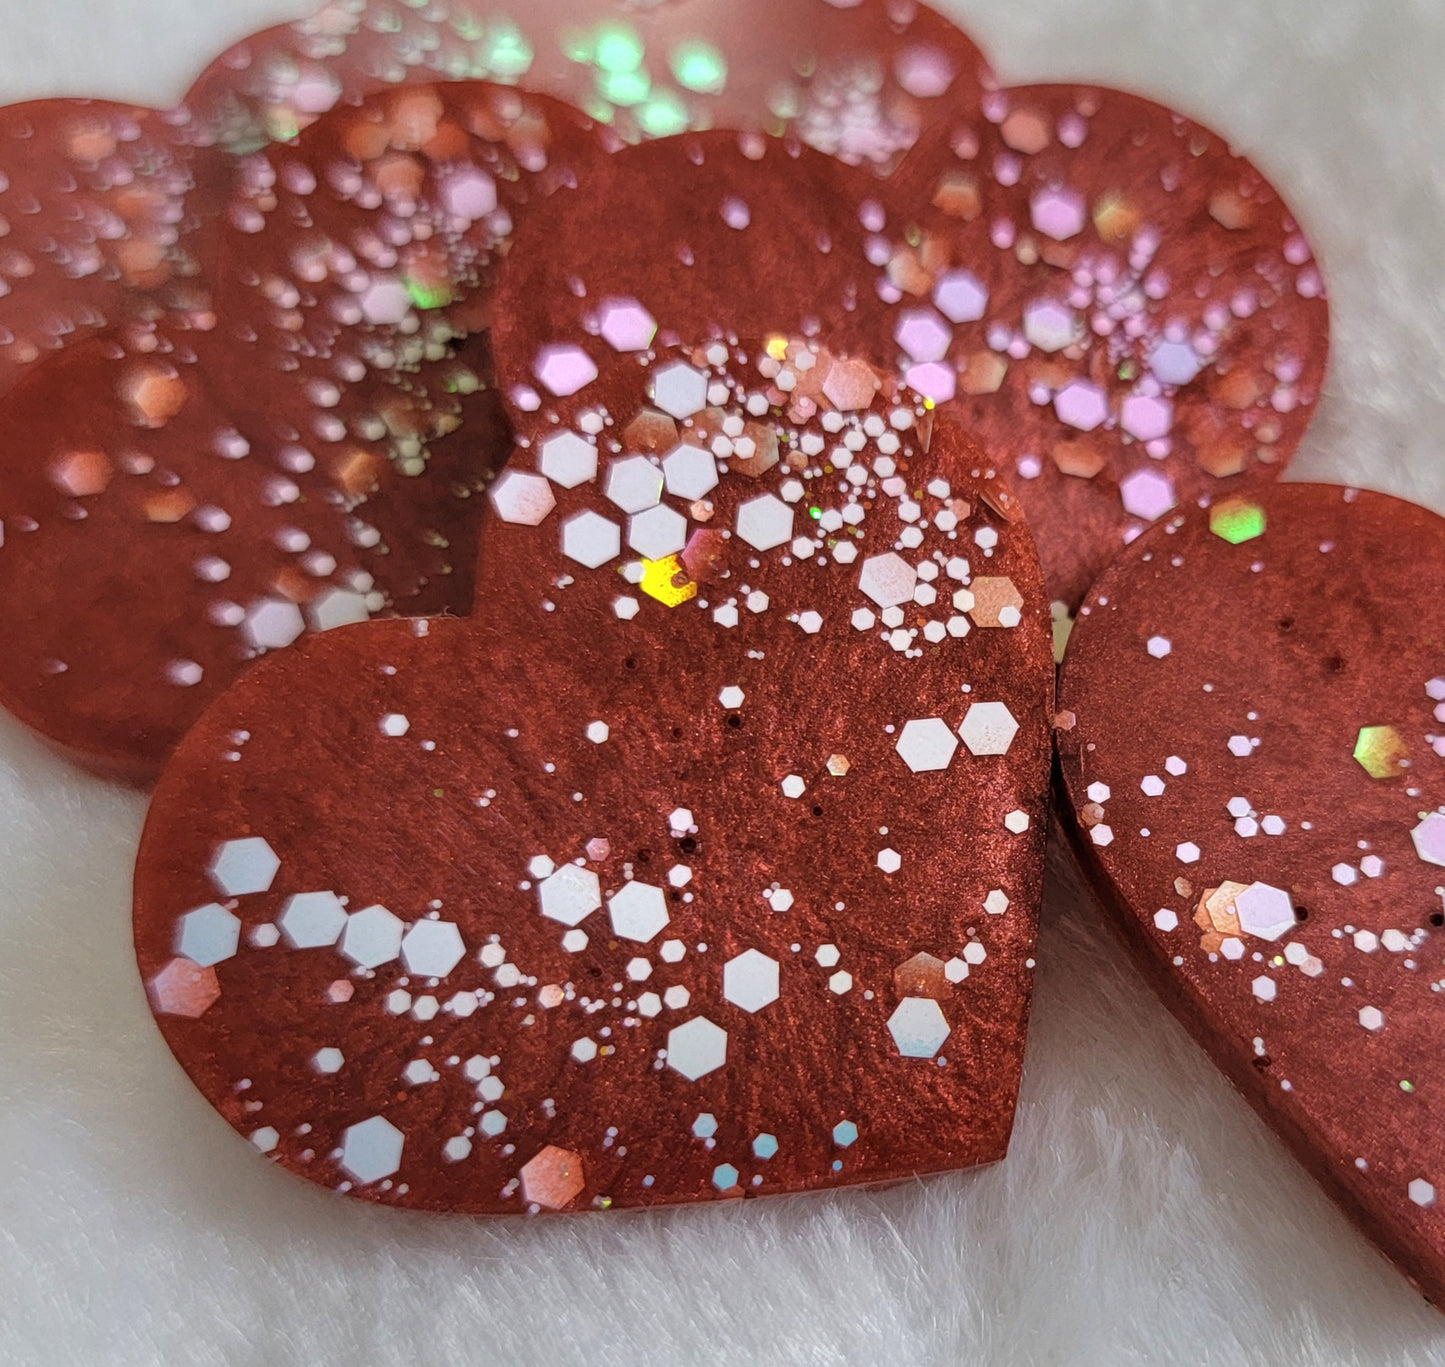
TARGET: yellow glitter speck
(838,765)
(1381,751)
(778,348)
(659,580)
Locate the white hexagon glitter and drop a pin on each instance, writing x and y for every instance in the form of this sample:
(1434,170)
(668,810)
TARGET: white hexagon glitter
(988,728)
(208,935)
(312,920)
(765,522)
(570,895)
(750,980)
(918,1027)
(372,1149)
(697,1048)
(523,498)
(243,866)
(591,539)
(638,911)
(926,744)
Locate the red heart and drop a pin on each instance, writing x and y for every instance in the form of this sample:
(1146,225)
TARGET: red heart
(663,884)
(1255,775)
(1123,310)
(228,480)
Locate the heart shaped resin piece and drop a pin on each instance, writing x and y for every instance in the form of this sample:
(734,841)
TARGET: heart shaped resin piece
(703,860)
(1133,318)
(1255,774)
(181,496)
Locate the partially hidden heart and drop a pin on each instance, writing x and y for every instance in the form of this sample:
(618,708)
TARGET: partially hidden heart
(1254,704)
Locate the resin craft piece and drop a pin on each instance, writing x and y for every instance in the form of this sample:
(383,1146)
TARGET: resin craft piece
(859,79)
(181,496)
(112,210)
(631,888)
(1124,311)
(92,224)
(1254,709)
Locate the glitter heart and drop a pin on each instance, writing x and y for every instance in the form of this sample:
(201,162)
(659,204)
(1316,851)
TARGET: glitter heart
(1253,768)
(1123,310)
(670,874)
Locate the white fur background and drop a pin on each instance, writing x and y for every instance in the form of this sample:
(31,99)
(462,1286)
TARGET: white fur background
(1143,1217)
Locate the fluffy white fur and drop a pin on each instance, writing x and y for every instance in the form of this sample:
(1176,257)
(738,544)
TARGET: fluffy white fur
(1143,1217)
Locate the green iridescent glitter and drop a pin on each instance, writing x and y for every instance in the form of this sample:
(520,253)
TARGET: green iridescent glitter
(1381,751)
(699,66)
(1236,520)
(507,51)
(663,116)
(616,47)
(624,88)
(428,296)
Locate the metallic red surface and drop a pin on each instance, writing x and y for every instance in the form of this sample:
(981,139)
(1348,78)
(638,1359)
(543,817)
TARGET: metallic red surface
(289,446)
(749,1012)
(1263,714)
